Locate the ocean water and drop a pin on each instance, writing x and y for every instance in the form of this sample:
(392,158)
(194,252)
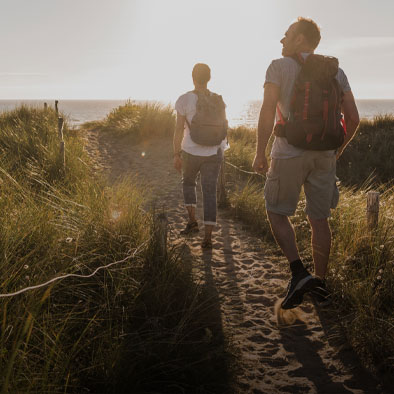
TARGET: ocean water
(249,113)
(76,111)
(80,111)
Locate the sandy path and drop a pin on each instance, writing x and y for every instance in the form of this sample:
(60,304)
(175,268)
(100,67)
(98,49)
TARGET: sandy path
(307,357)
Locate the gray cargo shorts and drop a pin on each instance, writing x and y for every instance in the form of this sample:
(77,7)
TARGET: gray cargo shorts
(315,171)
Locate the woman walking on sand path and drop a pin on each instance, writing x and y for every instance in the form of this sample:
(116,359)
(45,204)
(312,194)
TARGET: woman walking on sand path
(199,143)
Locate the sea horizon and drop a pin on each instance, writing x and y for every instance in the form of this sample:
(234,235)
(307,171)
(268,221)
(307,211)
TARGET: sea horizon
(79,111)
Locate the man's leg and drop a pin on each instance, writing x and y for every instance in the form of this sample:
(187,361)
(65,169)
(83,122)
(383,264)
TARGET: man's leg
(209,171)
(301,281)
(281,192)
(321,245)
(284,235)
(191,210)
(190,168)
(321,195)
(208,232)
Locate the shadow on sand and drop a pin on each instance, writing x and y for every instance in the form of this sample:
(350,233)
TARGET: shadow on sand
(296,340)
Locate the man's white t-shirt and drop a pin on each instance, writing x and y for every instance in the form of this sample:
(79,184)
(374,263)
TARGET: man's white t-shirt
(186,106)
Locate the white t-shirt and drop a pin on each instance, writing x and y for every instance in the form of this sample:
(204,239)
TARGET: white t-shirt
(283,73)
(186,106)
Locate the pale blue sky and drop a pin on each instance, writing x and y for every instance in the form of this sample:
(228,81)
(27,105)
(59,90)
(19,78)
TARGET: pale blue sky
(145,49)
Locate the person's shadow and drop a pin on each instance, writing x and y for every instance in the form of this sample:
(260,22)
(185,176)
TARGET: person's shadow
(221,357)
(295,340)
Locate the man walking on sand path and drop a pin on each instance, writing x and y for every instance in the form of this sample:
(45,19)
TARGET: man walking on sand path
(199,143)
(291,95)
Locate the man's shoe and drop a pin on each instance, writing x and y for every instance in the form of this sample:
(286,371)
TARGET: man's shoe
(320,294)
(190,228)
(298,285)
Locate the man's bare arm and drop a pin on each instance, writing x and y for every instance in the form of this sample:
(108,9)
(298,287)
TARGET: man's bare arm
(177,141)
(265,125)
(179,130)
(352,119)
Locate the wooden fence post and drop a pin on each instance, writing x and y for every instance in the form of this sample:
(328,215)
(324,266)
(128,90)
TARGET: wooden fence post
(63,154)
(161,234)
(56,109)
(222,197)
(60,123)
(372,209)
(45,106)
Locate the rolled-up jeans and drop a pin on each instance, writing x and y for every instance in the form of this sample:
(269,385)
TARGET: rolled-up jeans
(208,167)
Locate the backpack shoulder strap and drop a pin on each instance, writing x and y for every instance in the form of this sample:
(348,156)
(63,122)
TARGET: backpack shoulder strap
(298,58)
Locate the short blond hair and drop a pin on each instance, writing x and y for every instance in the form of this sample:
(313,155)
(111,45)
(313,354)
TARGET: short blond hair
(309,29)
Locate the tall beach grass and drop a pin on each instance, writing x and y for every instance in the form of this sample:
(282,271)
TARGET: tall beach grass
(369,155)
(138,326)
(138,121)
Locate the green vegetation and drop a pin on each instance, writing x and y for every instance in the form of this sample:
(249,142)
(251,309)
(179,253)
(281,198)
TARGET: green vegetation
(138,326)
(138,121)
(370,154)
(361,271)
(242,142)
(142,325)
(362,277)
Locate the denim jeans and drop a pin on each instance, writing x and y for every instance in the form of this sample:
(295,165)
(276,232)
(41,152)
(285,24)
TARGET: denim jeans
(208,167)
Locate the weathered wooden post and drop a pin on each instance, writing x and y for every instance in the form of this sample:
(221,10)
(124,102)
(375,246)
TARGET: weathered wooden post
(63,154)
(56,109)
(372,209)
(45,106)
(221,189)
(161,234)
(60,123)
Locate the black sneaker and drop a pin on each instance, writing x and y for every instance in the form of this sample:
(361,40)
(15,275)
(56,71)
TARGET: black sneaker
(190,228)
(320,294)
(297,287)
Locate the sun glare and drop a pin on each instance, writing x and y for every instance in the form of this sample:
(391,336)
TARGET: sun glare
(225,39)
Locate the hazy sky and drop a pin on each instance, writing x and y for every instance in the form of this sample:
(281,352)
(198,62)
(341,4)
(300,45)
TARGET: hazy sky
(145,49)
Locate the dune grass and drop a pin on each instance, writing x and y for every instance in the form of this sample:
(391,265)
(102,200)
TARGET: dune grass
(361,270)
(370,153)
(138,326)
(138,121)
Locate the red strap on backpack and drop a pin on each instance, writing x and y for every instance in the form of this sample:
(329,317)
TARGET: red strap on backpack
(325,112)
(298,58)
(306,101)
(281,119)
(343,123)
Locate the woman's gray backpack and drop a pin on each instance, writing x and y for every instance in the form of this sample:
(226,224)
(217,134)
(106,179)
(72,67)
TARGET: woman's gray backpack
(209,124)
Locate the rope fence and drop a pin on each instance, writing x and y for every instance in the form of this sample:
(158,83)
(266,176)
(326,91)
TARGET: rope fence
(221,190)
(137,250)
(243,171)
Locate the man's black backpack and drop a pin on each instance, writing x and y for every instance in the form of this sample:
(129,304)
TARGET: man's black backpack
(209,124)
(315,119)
